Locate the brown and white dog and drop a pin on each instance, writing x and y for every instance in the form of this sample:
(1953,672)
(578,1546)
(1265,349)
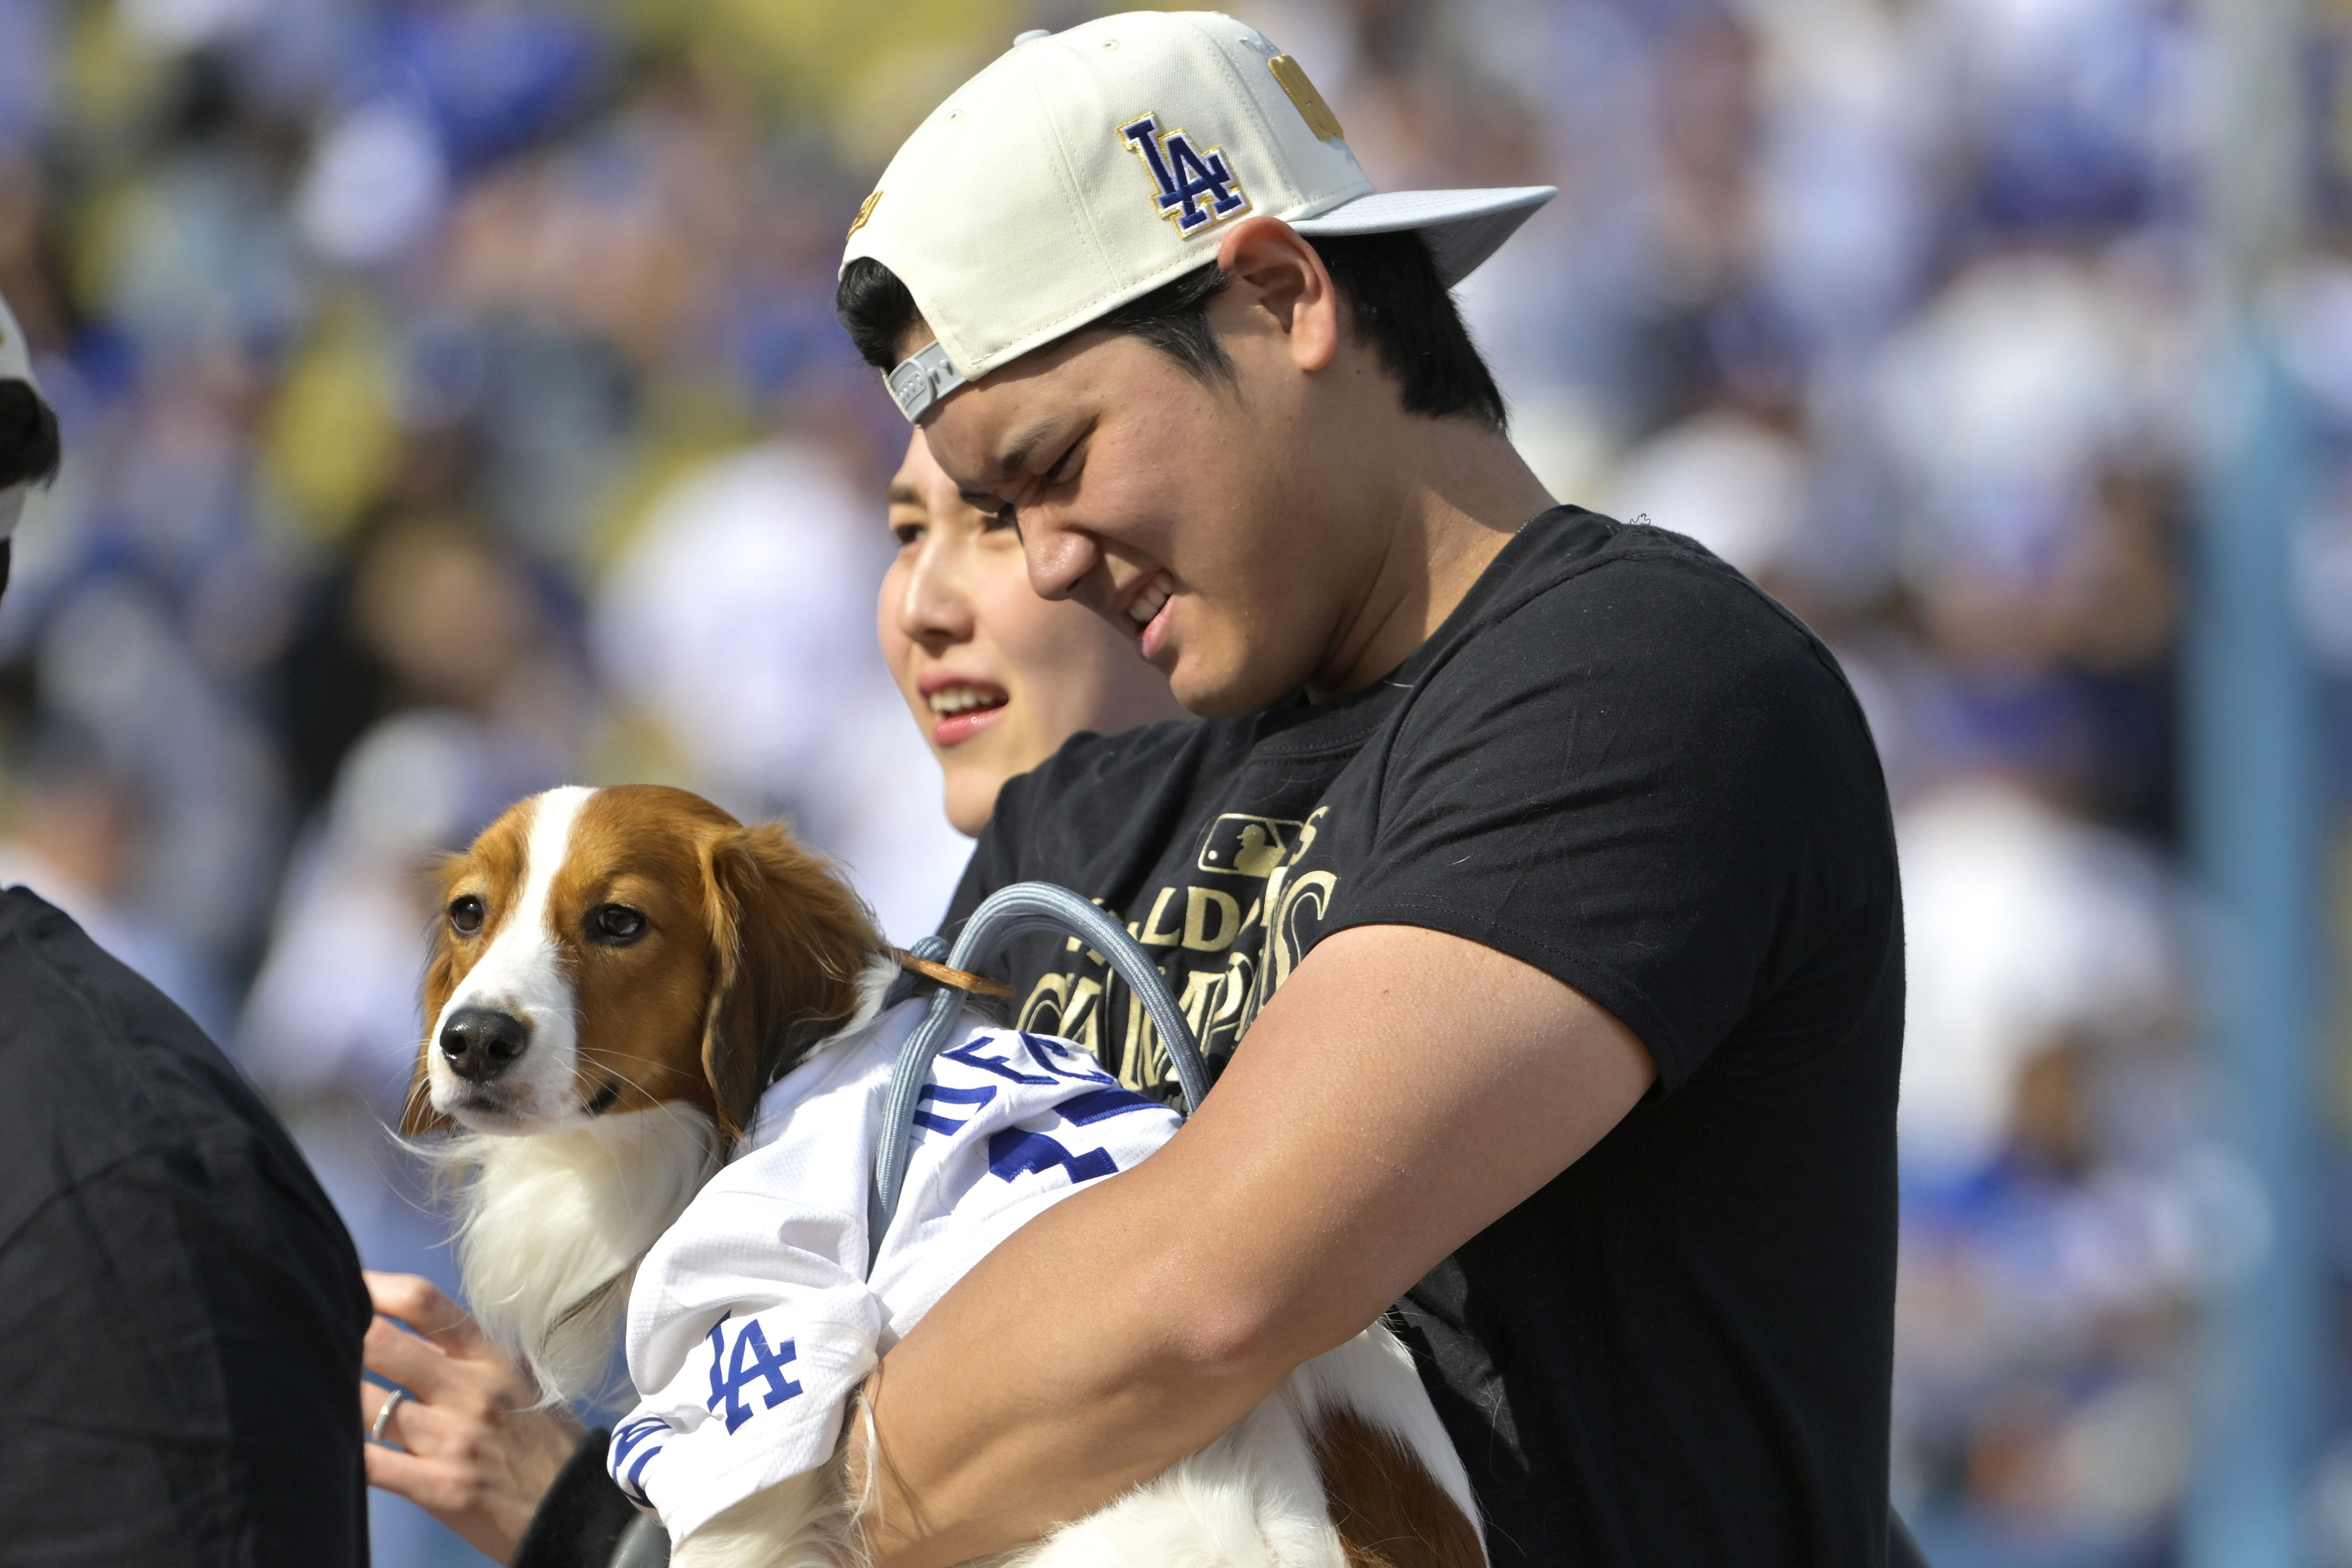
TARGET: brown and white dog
(618,975)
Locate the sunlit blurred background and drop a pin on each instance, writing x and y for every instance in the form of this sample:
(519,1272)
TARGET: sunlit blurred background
(454,408)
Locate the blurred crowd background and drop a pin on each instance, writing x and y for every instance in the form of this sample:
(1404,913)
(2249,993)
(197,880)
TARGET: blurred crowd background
(454,408)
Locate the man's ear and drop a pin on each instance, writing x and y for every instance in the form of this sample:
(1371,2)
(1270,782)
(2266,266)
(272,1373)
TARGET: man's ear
(1271,267)
(788,940)
(417,1116)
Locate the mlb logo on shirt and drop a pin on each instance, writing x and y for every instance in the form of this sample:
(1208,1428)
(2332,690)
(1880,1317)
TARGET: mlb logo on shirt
(1241,844)
(1184,177)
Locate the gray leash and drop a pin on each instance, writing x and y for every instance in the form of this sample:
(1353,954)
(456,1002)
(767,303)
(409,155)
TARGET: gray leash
(1006,913)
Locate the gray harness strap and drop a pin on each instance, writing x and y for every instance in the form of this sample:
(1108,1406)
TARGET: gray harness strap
(1008,912)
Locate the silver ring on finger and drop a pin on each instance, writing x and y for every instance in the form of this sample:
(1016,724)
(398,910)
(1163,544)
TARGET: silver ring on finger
(382,1417)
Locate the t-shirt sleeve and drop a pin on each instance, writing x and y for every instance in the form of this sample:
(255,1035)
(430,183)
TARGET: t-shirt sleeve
(1632,782)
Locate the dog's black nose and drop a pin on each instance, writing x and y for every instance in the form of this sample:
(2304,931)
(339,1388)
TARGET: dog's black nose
(481,1041)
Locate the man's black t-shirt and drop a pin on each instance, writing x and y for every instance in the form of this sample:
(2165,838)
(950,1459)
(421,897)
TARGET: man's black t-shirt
(181,1310)
(1622,763)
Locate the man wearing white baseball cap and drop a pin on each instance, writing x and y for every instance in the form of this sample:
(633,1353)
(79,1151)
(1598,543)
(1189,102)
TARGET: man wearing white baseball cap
(181,1310)
(1544,861)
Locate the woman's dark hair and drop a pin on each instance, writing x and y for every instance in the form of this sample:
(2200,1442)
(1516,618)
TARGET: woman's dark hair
(30,452)
(1388,283)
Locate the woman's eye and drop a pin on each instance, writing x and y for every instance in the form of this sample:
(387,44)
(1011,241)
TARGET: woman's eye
(616,924)
(908,534)
(466,915)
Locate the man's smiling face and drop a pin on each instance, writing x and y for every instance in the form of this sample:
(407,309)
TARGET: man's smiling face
(1187,513)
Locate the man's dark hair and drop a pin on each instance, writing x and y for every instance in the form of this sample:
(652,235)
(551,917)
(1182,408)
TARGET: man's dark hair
(30,452)
(1388,283)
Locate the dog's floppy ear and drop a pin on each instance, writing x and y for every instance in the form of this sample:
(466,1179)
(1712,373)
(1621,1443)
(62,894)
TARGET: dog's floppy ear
(417,1116)
(788,940)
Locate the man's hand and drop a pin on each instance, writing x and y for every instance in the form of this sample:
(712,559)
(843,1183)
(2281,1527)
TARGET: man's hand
(1403,1089)
(481,1451)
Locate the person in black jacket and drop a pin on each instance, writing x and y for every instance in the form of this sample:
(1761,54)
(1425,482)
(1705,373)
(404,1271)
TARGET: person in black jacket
(181,1310)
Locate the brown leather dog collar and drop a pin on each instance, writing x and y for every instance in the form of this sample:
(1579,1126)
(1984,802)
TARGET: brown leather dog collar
(979,985)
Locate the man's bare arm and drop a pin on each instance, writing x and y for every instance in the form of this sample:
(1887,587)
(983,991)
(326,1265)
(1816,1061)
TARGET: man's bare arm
(1403,1090)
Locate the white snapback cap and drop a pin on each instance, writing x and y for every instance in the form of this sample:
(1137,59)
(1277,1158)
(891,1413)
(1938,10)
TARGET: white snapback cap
(15,365)
(1084,168)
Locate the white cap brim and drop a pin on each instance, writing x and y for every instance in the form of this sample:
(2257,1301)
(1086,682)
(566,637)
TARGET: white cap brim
(1462,228)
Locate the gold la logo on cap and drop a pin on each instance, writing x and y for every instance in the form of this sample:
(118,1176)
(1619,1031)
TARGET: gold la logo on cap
(1306,100)
(1193,187)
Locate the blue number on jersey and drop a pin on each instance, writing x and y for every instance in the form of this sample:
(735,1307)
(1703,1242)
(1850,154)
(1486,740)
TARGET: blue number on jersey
(1101,1104)
(1048,1053)
(630,1436)
(969,1054)
(939,1095)
(1013,1153)
(751,1362)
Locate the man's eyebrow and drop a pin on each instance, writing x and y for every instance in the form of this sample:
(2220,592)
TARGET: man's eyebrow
(902,494)
(1014,460)
(1023,447)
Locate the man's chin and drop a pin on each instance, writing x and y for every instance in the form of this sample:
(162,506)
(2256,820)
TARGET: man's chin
(1229,693)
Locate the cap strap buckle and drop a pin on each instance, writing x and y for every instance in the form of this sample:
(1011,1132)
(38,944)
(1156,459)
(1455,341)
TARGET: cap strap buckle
(921,380)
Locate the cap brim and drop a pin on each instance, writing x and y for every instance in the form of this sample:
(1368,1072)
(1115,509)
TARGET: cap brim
(1463,227)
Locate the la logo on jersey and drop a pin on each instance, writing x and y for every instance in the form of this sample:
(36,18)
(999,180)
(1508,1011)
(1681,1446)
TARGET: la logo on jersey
(1194,186)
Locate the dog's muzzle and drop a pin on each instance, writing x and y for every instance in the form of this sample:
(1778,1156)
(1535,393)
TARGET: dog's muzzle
(479,1043)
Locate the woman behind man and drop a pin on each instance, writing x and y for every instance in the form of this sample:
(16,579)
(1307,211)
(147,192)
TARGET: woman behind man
(997,679)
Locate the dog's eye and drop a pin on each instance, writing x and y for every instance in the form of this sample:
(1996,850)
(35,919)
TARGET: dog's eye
(616,924)
(466,915)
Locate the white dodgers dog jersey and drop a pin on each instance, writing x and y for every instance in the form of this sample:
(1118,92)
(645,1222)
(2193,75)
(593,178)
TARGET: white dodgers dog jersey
(753,1318)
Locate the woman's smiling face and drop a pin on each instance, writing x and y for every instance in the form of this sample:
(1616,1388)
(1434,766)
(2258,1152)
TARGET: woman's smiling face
(996,677)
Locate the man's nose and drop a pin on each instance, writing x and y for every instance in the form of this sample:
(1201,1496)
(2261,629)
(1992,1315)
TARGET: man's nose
(1059,558)
(479,1043)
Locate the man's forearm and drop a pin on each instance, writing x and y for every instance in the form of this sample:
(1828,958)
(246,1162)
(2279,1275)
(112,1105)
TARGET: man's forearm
(1030,1396)
(1339,1160)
